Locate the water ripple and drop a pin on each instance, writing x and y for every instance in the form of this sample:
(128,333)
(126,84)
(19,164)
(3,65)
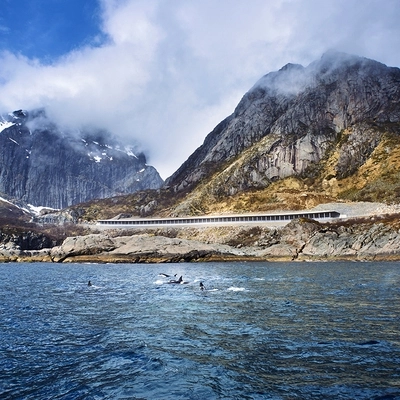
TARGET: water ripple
(260,331)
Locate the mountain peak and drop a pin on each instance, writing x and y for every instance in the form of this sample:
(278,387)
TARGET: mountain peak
(334,62)
(292,67)
(287,123)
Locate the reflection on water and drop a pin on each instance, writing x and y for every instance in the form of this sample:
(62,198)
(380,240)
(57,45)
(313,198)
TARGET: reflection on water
(259,331)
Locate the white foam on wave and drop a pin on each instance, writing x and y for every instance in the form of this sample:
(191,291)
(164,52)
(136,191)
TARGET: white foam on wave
(236,289)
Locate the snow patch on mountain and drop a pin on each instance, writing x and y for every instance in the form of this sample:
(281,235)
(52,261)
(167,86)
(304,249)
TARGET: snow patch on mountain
(38,210)
(28,208)
(5,200)
(5,125)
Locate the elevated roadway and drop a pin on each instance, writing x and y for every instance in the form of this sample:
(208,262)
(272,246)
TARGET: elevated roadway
(277,218)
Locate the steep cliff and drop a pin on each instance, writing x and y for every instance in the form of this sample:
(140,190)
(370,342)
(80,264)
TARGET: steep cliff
(319,124)
(44,166)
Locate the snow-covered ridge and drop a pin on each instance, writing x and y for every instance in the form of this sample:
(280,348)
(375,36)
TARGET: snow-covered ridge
(5,124)
(127,150)
(5,200)
(28,208)
(10,119)
(37,210)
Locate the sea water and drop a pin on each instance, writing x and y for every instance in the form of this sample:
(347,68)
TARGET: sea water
(258,331)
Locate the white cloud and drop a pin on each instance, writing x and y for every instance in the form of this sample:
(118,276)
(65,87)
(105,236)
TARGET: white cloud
(170,71)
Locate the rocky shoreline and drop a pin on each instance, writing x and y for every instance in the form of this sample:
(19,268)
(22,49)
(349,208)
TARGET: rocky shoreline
(368,239)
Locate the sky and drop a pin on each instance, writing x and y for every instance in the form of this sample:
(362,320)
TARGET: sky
(162,74)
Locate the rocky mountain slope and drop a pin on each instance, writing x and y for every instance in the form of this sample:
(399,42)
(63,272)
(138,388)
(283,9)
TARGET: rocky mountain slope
(327,131)
(44,166)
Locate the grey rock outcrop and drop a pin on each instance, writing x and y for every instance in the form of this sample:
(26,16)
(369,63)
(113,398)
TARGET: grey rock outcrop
(137,248)
(43,166)
(82,245)
(300,240)
(305,240)
(291,118)
(25,241)
(378,242)
(28,245)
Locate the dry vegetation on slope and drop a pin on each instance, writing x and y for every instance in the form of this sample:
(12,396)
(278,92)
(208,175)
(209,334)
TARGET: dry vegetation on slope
(376,180)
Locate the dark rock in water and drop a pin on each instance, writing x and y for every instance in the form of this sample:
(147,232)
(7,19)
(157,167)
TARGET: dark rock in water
(368,343)
(44,166)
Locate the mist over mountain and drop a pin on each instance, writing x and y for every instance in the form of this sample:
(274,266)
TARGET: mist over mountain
(319,123)
(43,165)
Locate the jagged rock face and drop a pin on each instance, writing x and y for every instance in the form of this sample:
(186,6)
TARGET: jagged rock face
(45,167)
(291,118)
